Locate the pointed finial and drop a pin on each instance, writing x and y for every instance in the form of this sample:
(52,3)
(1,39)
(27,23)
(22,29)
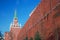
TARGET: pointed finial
(15,16)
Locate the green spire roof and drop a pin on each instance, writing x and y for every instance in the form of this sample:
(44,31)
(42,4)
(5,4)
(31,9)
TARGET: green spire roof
(15,16)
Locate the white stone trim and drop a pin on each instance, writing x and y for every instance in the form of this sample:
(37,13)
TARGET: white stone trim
(32,11)
(15,27)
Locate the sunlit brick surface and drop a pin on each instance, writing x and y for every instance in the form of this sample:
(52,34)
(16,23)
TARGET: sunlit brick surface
(45,19)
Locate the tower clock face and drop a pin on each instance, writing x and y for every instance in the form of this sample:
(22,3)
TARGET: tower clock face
(15,21)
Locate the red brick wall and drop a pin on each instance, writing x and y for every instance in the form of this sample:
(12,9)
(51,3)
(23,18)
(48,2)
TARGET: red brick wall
(6,36)
(42,20)
(15,32)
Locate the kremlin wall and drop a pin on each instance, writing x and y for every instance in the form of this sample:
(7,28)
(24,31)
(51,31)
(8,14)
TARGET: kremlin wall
(43,24)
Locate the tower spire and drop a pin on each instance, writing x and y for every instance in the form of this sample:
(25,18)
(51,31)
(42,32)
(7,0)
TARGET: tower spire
(15,16)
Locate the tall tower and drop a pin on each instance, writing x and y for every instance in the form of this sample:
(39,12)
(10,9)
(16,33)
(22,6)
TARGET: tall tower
(14,27)
(15,24)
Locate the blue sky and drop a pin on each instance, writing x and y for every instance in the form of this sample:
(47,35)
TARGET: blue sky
(7,8)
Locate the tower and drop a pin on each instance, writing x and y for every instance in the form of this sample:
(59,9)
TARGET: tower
(15,24)
(14,27)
